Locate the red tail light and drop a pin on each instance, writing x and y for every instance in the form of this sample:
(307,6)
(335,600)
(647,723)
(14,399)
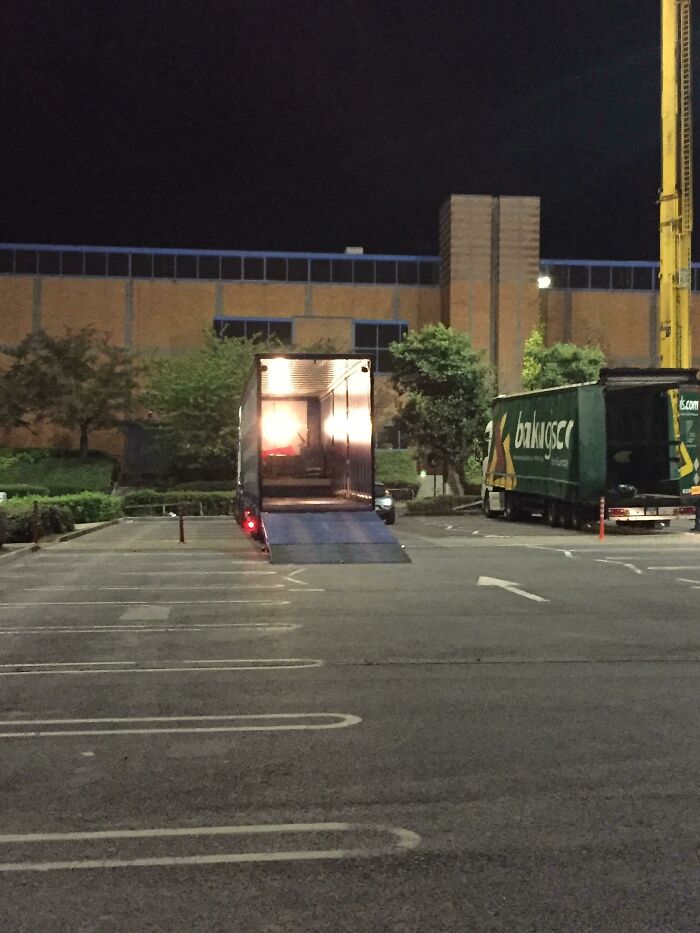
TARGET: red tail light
(618,513)
(686,510)
(250,524)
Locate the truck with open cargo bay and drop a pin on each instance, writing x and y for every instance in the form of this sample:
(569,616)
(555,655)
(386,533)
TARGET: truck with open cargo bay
(631,437)
(306,459)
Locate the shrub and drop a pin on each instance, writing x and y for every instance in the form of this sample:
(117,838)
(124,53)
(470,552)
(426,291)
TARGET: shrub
(17,490)
(439,505)
(60,473)
(90,506)
(53,519)
(192,503)
(397,469)
(204,485)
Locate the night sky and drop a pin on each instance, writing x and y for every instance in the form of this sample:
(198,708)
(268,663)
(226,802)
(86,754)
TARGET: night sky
(260,124)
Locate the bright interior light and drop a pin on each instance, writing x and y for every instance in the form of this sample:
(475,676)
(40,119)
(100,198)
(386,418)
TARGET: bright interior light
(279,428)
(544,281)
(279,375)
(357,426)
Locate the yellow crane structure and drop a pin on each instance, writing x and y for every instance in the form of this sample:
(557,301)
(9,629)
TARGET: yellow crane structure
(676,199)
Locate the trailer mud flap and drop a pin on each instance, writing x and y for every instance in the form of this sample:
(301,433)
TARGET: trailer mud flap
(330,538)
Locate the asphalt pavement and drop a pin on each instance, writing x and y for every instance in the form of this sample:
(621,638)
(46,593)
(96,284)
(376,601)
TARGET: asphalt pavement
(498,736)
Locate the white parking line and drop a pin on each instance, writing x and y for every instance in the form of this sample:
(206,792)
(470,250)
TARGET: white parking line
(152,725)
(159,586)
(609,560)
(399,841)
(272,627)
(692,567)
(147,573)
(33,669)
(140,602)
(182,573)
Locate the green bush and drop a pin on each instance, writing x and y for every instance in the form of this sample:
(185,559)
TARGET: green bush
(204,485)
(90,506)
(191,503)
(397,469)
(53,519)
(60,473)
(439,505)
(18,490)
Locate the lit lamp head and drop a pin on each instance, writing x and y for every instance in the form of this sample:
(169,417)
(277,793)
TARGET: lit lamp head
(279,375)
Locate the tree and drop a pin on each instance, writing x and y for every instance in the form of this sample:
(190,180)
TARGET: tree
(78,381)
(561,364)
(195,398)
(444,389)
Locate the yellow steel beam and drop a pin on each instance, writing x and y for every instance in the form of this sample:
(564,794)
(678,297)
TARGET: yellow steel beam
(676,220)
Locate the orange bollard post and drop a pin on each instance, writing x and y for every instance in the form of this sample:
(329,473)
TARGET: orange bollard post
(601,527)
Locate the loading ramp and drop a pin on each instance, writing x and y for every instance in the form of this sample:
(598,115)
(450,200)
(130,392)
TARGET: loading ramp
(330,538)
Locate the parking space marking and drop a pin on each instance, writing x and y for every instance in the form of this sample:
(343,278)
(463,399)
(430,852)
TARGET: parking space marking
(182,573)
(693,567)
(33,669)
(272,627)
(396,841)
(156,586)
(148,573)
(609,560)
(153,725)
(139,602)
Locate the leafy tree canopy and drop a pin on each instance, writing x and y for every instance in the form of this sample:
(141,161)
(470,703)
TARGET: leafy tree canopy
(195,398)
(78,381)
(561,364)
(444,388)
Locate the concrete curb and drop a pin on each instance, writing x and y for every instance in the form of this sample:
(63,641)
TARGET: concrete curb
(18,552)
(86,531)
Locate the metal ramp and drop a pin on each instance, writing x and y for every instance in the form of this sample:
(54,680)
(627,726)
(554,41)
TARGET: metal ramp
(330,538)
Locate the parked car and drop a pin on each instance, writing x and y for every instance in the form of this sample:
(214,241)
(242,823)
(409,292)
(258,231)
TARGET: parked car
(384,503)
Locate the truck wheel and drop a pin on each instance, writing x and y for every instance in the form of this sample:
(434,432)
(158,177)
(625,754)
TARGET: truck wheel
(511,510)
(486,506)
(566,517)
(577,521)
(553,513)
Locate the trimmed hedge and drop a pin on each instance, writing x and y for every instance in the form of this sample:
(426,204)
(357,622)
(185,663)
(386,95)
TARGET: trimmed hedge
(396,469)
(90,506)
(149,502)
(61,472)
(203,485)
(439,505)
(53,519)
(17,490)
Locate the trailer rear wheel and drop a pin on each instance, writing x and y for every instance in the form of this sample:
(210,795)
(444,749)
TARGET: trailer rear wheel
(553,513)
(577,519)
(566,516)
(486,506)
(511,510)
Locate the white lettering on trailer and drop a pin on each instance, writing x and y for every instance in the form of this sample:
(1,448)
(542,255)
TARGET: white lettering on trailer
(543,435)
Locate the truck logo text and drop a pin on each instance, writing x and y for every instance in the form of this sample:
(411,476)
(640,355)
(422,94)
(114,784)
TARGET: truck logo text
(689,404)
(543,435)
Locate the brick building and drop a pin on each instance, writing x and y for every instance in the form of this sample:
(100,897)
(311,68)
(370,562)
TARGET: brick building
(484,282)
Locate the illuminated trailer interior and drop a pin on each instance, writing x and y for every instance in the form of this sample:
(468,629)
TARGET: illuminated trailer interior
(306,434)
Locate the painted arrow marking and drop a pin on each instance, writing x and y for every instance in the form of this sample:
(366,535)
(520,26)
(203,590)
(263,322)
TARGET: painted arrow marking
(511,587)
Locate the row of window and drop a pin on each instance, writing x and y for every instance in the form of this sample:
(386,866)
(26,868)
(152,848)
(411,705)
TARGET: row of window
(222,267)
(644,278)
(370,338)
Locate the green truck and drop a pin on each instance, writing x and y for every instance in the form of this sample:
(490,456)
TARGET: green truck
(630,438)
